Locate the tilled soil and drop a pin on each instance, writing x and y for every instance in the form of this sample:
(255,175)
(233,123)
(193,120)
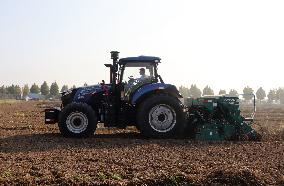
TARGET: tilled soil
(32,153)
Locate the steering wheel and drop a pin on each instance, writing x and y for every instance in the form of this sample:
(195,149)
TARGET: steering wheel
(133,80)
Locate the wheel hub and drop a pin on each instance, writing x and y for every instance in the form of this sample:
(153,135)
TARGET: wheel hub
(77,122)
(162,118)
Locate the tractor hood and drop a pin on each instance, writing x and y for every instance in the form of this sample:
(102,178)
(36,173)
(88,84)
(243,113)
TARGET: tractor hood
(84,93)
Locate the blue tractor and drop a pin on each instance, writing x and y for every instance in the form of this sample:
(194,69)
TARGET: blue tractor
(144,101)
(154,107)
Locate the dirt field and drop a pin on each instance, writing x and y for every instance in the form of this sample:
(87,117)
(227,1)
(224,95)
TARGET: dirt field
(32,153)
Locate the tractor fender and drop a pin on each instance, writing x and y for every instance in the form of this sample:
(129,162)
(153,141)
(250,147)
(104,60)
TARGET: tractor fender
(153,88)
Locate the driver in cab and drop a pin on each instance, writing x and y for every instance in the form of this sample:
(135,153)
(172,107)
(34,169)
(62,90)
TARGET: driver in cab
(143,75)
(135,83)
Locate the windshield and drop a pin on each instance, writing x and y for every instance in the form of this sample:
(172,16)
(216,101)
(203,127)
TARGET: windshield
(137,74)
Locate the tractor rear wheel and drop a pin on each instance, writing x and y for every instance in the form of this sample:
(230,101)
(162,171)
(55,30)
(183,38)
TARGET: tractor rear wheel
(77,120)
(161,116)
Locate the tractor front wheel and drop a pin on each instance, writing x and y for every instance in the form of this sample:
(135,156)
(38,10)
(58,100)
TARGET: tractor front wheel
(161,116)
(77,120)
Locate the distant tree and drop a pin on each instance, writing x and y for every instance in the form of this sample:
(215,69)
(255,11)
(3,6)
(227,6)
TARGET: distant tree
(280,93)
(248,93)
(35,89)
(11,89)
(64,88)
(73,86)
(271,96)
(260,94)
(222,92)
(207,91)
(194,91)
(85,84)
(18,91)
(2,90)
(233,93)
(54,89)
(184,91)
(26,90)
(44,89)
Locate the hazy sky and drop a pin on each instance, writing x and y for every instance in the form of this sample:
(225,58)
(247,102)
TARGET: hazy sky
(225,44)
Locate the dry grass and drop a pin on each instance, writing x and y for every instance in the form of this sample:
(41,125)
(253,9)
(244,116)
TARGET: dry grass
(2,101)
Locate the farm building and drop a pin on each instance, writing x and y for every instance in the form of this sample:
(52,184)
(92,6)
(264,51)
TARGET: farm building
(34,96)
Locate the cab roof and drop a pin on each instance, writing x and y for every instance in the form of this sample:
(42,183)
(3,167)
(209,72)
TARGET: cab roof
(139,59)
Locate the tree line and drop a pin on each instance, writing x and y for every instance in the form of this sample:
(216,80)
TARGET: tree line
(274,95)
(17,92)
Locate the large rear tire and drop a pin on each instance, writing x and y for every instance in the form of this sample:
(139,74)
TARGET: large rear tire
(77,120)
(161,116)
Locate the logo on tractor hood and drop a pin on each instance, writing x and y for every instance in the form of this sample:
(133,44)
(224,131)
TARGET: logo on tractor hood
(84,92)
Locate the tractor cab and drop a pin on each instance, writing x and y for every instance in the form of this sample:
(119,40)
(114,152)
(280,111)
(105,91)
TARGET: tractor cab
(129,74)
(134,72)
